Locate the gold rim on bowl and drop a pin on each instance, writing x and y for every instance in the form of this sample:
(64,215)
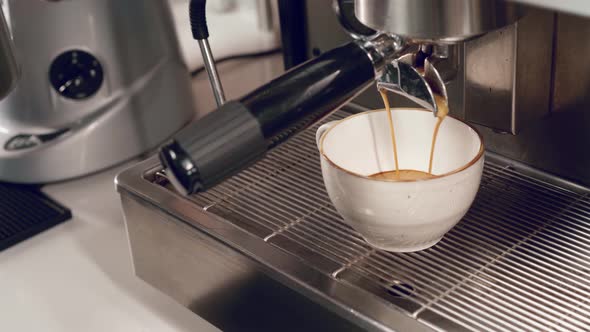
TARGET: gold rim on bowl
(462,168)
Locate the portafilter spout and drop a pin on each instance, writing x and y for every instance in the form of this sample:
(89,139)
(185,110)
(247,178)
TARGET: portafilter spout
(417,83)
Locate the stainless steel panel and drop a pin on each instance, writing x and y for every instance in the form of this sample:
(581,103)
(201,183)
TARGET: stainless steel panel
(556,143)
(533,72)
(572,74)
(508,74)
(517,261)
(578,7)
(440,21)
(489,79)
(213,280)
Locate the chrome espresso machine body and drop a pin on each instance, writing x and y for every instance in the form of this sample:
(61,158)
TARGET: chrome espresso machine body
(235,224)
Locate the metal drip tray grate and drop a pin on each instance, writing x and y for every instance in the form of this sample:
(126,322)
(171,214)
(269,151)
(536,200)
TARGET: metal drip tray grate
(519,260)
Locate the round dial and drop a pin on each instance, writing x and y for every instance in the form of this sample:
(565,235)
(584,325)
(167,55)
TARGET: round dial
(76,74)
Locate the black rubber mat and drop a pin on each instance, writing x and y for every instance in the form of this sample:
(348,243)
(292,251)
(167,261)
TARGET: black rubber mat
(26,211)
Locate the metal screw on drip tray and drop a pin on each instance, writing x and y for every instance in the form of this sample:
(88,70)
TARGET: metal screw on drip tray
(399,289)
(201,33)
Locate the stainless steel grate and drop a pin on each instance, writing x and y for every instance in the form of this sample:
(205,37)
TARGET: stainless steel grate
(519,260)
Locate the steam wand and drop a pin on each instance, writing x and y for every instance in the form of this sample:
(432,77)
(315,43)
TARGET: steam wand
(201,33)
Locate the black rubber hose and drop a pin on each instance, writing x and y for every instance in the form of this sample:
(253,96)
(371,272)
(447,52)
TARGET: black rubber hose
(198,19)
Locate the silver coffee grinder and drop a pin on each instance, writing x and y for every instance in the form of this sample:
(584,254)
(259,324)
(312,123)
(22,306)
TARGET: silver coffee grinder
(101,81)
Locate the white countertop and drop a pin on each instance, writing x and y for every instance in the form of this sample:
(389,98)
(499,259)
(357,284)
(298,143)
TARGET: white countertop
(78,275)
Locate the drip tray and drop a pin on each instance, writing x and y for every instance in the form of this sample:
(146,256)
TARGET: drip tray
(519,260)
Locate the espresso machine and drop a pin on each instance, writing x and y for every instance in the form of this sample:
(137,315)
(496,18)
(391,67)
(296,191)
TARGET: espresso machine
(99,82)
(232,219)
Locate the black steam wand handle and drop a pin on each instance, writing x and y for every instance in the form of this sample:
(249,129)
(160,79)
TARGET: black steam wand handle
(198,21)
(240,132)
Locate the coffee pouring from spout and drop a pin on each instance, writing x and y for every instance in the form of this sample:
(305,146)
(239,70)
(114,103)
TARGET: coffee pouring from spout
(414,78)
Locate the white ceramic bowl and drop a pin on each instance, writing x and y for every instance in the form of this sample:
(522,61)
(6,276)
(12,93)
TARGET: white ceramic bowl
(408,215)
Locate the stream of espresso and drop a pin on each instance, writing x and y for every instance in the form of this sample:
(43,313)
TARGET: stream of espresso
(443,109)
(392,133)
(410,174)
